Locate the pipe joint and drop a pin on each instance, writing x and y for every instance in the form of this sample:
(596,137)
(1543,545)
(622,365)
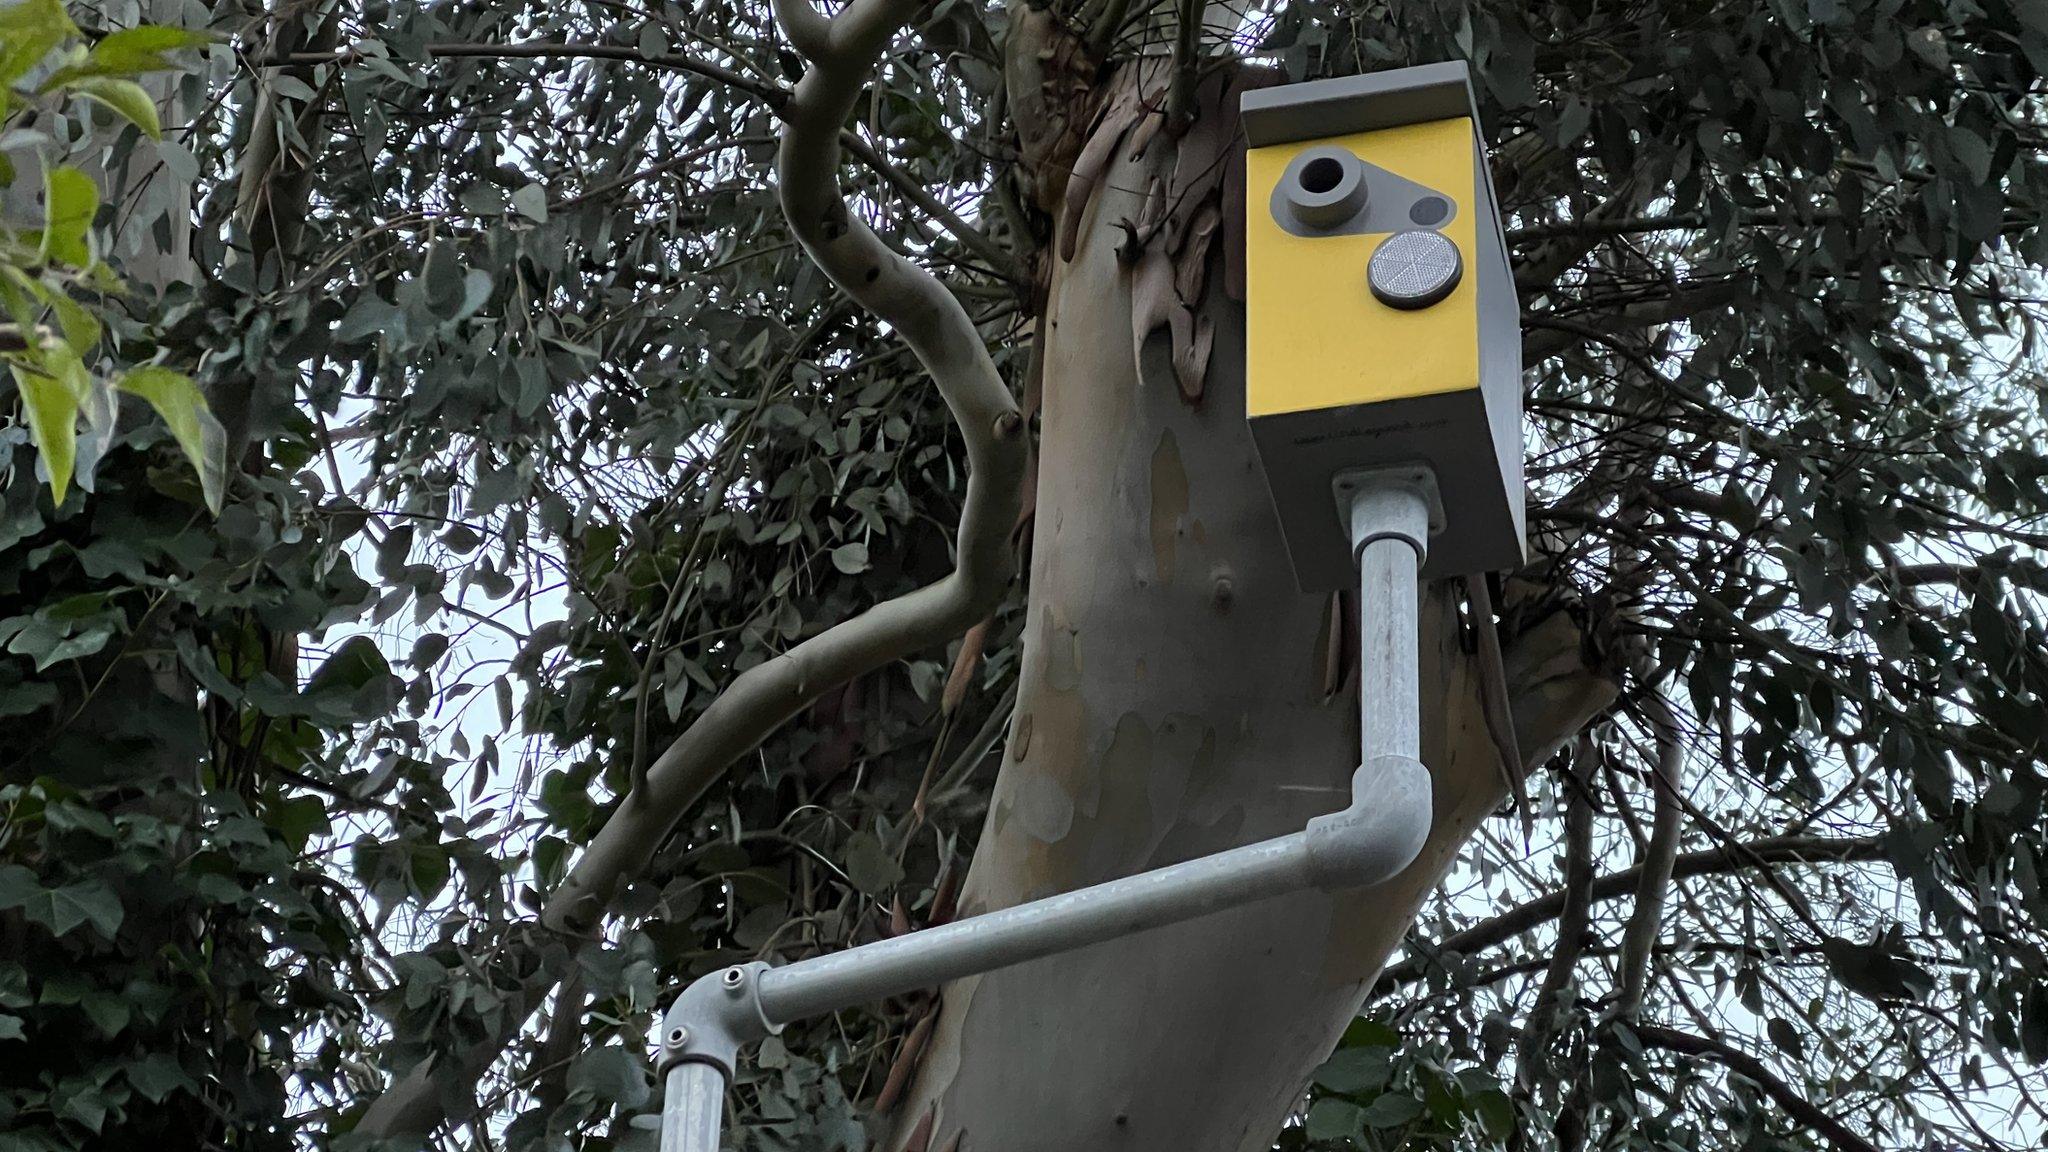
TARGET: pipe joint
(1380,834)
(718,1014)
(1398,503)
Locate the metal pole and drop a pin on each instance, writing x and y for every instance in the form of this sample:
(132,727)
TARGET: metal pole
(1389,521)
(1389,703)
(1061,923)
(692,1107)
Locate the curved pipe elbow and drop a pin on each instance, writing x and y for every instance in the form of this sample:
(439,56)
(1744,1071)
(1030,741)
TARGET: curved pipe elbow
(1380,834)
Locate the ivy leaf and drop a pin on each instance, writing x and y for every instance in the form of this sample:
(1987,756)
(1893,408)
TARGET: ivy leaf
(70,200)
(178,400)
(157,1075)
(60,909)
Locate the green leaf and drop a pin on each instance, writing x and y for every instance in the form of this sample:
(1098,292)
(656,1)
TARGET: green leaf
(1353,1069)
(10,1028)
(869,865)
(1330,1119)
(851,559)
(125,98)
(532,203)
(132,51)
(178,400)
(52,399)
(28,30)
(157,1075)
(107,1011)
(70,200)
(80,327)
(611,1074)
(356,664)
(60,909)
(1496,1112)
(299,819)
(1391,1111)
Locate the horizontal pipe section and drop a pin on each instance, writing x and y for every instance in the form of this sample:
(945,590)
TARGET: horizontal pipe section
(933,956)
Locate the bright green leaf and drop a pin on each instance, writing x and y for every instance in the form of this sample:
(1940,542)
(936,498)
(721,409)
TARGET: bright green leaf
(132,51)
(28,30)
(70,200)
(52,399)
(126,98)
(178,400)
(80,327)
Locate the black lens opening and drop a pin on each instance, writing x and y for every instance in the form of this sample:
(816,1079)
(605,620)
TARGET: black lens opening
(1321,174)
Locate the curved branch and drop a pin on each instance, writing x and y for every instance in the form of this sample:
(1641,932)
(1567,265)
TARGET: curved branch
(1000,260)
(928,318)
(808,30)
(1654,872)
(1736,1060)
(1574,918)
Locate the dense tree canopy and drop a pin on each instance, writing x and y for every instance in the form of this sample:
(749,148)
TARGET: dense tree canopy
(530,427)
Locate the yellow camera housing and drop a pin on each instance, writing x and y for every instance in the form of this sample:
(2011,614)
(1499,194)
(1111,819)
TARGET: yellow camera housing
(1382,329)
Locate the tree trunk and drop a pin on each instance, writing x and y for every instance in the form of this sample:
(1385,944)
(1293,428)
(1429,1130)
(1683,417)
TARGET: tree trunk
(1174,701)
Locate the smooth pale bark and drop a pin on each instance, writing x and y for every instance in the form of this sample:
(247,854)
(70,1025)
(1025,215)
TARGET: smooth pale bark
(1171,705)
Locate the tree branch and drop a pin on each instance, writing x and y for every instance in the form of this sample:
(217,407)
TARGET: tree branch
(1187,64)
(1005,264)
(1654,872)
(775,97)
(808,30)
(770,94)
(1707,862)
(1574,918)
(1736,1060)
(931,321)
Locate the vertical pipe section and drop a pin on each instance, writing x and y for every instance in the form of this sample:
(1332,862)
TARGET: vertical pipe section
(1389,698)
(692,1107)
(1389,515)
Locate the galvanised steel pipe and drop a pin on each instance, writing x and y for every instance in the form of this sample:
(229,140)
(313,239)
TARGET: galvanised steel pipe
(692,1107)
(933,956)
(1368,842)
